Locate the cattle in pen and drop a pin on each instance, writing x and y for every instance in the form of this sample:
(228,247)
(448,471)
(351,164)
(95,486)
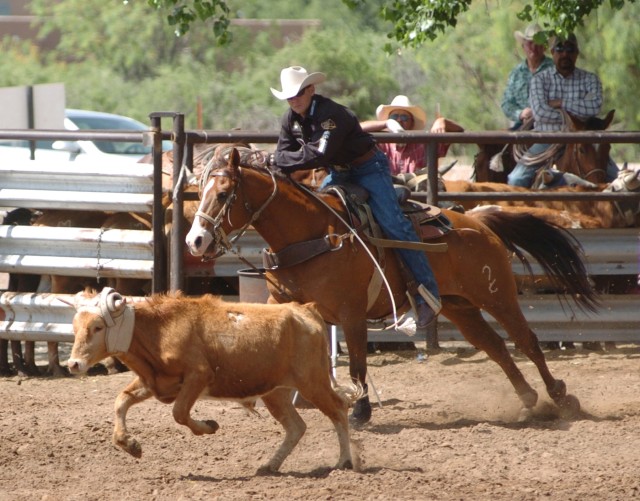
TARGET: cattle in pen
(185,348)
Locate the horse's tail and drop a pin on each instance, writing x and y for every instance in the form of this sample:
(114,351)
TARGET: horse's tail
(556,250)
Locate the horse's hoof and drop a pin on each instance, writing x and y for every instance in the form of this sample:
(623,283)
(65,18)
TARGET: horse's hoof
(213,425)
(133,447)
(559,391)
(345,465)
(361,412)
(569,407)
(266,470)
(526,413)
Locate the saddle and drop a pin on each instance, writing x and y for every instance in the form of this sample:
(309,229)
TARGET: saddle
(428,220)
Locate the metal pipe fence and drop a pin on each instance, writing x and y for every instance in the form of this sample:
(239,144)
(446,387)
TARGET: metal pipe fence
(608,252)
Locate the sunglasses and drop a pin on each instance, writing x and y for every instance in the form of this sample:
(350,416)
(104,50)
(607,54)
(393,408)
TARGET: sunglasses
(569,49)
(300,92)
(400,117)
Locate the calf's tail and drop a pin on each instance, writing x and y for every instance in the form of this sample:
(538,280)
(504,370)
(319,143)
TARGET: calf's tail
(349,393)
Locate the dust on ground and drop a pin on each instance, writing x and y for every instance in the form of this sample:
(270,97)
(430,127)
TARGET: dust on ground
(446,428)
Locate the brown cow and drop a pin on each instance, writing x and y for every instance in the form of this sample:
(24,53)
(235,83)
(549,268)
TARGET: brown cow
(185,348)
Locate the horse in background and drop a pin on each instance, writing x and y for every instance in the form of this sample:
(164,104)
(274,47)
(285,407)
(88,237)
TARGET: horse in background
(494,162)
(579,213)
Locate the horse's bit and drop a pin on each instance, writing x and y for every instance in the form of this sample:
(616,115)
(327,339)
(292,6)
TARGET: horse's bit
(219,235)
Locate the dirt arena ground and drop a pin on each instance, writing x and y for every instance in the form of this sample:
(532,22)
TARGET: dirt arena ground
(447,430)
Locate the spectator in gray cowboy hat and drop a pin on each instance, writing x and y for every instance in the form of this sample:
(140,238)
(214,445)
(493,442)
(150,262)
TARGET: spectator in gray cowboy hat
(562,87)
(318,132)
(401,115)
(515,100)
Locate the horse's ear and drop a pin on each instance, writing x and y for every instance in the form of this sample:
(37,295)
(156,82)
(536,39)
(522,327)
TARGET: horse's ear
(573,123)
(234,158)
(608,119)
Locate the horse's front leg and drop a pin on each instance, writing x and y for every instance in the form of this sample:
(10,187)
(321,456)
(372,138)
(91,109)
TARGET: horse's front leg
(355,335)
(134,393)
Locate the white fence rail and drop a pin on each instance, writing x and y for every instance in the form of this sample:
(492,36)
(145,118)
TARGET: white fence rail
(42,317)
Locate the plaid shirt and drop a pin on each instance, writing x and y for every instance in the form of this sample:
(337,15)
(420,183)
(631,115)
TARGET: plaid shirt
(581,95)
(516,94)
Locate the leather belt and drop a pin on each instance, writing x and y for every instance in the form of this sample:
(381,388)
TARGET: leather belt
(356,162)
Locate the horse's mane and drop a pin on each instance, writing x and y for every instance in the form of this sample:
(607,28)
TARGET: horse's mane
(217,157)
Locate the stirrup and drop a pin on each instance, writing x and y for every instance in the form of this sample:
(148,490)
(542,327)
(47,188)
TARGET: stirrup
(430,299)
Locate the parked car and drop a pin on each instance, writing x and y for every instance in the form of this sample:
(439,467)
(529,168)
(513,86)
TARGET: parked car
(113,152)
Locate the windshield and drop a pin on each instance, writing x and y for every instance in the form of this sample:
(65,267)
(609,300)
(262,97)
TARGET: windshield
(106,122)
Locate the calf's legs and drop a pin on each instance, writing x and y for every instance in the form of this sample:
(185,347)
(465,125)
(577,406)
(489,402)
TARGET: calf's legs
(134,393)
(279,404)
(335,408)
(190,390)
(137,392)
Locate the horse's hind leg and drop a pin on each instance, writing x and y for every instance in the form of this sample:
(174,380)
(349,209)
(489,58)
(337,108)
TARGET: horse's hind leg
(527,342)
(479,333)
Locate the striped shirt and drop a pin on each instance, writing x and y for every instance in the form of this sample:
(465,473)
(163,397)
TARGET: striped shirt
(581,95)
(516,94)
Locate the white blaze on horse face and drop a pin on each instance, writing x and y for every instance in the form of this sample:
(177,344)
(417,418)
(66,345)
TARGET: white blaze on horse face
(199,238)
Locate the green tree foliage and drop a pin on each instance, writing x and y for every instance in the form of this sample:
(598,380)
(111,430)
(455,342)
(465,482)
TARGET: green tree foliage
(126,59)
(413,21)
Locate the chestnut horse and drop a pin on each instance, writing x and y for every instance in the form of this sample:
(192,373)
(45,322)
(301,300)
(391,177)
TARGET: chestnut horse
(582,159)
(473,274)
(589,213)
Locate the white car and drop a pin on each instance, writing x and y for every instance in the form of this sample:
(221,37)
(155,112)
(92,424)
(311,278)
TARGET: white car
(84,152)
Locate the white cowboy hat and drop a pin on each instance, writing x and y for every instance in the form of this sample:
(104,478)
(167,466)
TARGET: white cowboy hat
(295,78)
(403,103)
(529,33)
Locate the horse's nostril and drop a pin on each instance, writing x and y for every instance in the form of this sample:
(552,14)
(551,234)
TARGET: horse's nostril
(198,242)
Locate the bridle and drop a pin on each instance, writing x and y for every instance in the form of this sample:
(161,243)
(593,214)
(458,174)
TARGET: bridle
(224,243)
(577,163)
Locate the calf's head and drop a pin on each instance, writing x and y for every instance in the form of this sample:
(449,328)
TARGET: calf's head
(89,346)
(101,328)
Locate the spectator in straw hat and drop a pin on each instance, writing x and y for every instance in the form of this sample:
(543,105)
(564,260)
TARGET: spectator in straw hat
(318,132)
(515,100)
(399,116)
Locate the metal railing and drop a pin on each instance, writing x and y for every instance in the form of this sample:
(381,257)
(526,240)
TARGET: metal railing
(609,252)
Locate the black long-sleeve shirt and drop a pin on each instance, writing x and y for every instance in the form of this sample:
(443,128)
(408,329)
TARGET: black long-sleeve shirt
(329,135)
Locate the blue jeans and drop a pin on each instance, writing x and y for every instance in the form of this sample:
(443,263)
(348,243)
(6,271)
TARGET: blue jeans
(523,175)
(374,176)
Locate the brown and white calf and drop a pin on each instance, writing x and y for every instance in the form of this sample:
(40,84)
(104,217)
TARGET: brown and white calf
(186,348)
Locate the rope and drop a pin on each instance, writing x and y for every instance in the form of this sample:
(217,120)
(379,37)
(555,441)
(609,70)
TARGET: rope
(520,151)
